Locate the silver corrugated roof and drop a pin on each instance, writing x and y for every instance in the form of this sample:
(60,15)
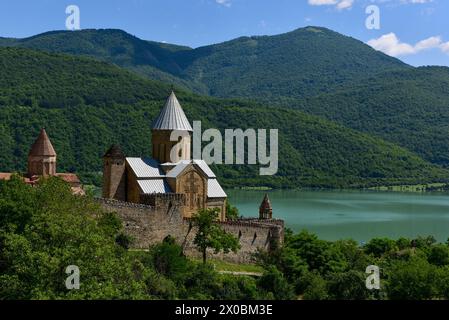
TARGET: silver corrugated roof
(145,168)
(172,116)
(203,165)
(154,186)
(214,190)
(180,166)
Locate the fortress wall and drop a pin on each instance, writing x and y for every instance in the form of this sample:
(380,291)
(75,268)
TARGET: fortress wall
(149,225)
(146,224)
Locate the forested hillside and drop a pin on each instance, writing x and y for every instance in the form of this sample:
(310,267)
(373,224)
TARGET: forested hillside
(409,108)
(300,63)
(86,105)
(313,69)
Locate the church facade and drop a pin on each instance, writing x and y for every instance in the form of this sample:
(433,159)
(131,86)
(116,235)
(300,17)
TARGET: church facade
(161,179)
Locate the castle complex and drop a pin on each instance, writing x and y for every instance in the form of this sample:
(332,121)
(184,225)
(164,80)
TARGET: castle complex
(155,197)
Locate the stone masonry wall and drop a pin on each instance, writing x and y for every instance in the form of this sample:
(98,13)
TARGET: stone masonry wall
(149,225)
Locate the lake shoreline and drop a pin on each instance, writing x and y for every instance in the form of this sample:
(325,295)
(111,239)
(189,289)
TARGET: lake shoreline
(436,187)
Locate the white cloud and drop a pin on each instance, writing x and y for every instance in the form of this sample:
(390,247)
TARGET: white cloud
(226,3)
(339,4)
(445,47)
(416,1)
(390,44)
(346,4)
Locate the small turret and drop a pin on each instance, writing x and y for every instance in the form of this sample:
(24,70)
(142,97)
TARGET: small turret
(265,209)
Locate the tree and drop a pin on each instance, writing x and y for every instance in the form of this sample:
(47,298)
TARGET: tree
(415,279)
(54,230)
(232,213)
(168,259)
(348,286)
(380,246)
(274,282)
(210,235)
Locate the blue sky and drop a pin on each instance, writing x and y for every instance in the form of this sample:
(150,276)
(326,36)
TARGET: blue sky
(416,31)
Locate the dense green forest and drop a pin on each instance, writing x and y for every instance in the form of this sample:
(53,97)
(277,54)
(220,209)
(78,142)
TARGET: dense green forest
(409,108)
(87,105)
(313,69)
(44,229)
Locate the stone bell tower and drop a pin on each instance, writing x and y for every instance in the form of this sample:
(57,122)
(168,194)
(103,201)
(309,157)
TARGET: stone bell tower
(171,118)
(42,157)
(114,174)
(265,209)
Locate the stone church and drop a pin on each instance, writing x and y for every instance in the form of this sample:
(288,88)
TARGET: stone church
(42,163)
(157,180)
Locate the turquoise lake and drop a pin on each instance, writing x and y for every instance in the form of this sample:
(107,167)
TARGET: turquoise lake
(360,215)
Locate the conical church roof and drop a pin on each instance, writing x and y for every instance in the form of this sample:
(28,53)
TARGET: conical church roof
(266,203)
(42,146)
(114,152)
(172,116)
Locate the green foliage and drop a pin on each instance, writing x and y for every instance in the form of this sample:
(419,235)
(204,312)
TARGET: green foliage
(407,107)
(414,279)
(232,213)
(169,260)
(314,287)
(274,283)
(409,269)
(380,246)
(348,286)
(60,230)
(209,234)
(46,228)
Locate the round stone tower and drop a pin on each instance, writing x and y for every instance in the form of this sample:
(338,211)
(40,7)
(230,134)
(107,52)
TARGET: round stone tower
(171,118)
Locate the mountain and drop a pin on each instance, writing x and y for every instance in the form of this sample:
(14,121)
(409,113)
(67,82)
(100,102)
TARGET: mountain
(147,58)
(300,63)
(311,69)
(86,105)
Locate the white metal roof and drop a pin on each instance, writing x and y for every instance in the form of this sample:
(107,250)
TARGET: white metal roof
(180,166)
(214,190)
(154,186)
(145,168)
(172,116)
(203,165)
